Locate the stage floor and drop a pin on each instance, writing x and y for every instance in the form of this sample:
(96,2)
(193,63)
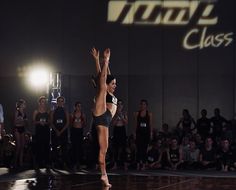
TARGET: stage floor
(89,180)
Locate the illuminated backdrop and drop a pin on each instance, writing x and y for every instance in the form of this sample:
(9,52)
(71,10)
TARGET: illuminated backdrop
(177,54)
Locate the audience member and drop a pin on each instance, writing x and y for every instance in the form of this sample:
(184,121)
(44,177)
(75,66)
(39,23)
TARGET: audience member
(143,123)
(119,123)
(203,125)
(208,155)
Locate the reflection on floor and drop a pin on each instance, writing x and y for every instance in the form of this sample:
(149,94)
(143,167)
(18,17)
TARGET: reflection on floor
(89,180)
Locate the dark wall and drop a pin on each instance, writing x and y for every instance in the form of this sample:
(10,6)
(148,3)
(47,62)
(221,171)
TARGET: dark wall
(149,60)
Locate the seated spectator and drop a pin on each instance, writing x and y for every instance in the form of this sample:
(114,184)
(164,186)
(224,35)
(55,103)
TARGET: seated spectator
(227,132)
(174,155)
(208,155)
(88,152)
(224,156)
(130,156)
(191,156)
(154,155)
(233,165)
(198,140)
(185,142)
(29,157)
(8,151)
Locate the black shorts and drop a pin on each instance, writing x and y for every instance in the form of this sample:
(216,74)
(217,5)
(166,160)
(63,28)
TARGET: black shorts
(104,119)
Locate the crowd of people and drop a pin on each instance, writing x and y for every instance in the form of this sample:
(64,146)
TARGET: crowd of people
(59,141)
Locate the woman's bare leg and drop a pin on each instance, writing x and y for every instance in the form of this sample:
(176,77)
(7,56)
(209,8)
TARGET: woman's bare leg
(103,143)
(100,108)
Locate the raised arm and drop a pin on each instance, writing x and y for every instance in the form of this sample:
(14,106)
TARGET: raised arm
(105,54)
(95,54)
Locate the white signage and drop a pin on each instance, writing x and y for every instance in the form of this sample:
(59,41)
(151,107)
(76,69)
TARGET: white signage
(173,12)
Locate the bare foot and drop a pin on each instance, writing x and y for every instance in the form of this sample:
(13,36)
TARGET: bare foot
(105,180)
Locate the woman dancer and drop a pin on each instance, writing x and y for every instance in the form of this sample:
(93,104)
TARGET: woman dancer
(119,123)
(42,132)
(104,109)
(78,123)
(143,119)
(20,123)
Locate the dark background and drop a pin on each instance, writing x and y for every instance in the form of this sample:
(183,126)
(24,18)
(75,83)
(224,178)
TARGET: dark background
(148,61)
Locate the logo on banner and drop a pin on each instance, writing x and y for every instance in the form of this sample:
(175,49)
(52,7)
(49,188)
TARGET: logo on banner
(200,13)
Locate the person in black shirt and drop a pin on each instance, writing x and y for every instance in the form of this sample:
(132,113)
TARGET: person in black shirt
(217,122)
(59,120)
(154,155)
(7,151)
(165,134)
(42,132)
(20,124)
(204,124)
(208,155)
(119,123)
(186,124)
(143,119)
(224,156)
(78,123)
(175,154)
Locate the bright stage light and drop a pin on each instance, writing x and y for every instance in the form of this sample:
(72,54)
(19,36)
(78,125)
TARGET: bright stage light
(39,77)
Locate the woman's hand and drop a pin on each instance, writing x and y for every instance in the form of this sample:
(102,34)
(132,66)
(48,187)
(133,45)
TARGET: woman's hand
(107,54)
(95,54)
